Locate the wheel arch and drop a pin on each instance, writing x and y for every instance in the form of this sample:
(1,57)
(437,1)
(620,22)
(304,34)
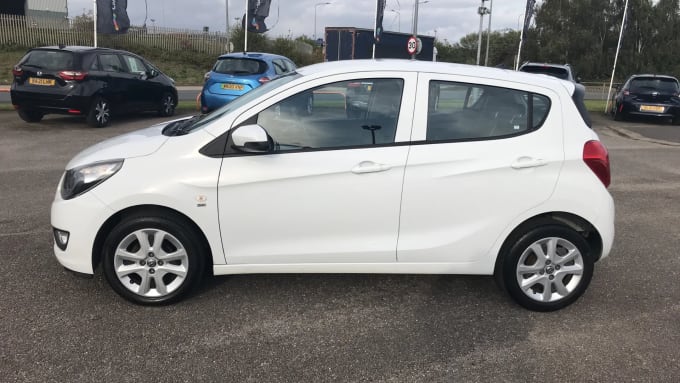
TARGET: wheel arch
(574,222)
(111,222)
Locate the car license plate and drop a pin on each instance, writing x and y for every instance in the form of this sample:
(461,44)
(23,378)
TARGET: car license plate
(41,81)
(232,86)
(651,108)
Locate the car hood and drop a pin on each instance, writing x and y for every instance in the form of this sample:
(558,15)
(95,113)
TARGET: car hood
(134,144)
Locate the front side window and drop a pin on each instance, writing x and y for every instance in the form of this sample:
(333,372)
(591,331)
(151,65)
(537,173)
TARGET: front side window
(458,111)
(335,116)
(134,64)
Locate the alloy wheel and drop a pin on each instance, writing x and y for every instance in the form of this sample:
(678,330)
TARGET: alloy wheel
(151,263)
(550,269)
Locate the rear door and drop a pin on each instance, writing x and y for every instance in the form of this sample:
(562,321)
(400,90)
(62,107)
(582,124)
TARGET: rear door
(115,81)
(483,153)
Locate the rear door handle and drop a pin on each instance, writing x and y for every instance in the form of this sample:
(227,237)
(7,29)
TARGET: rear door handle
(370,167)
(528,162)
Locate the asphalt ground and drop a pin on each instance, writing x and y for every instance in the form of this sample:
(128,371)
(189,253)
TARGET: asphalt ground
(343,328)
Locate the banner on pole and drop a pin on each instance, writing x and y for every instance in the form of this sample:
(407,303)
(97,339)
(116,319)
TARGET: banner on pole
(112,17)
(258,10)
(527,16)
(379,13)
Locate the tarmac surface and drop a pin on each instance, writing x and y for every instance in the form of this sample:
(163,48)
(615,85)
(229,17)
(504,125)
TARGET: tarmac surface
(339,328)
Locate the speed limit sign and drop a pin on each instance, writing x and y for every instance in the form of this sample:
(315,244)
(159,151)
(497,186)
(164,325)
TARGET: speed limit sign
(412,45)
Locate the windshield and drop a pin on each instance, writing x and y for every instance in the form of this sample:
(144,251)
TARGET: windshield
(49,60)
(649,84)
(240,66)
(242,100)
(550,71)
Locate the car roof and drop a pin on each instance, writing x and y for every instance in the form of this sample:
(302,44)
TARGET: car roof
(654,76)
(79,48)
(252,55)
(401,65)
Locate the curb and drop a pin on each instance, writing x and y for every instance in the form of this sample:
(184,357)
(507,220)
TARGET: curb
(638,137)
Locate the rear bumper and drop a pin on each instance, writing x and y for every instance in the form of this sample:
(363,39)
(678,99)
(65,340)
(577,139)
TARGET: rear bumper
(50,103)
(634,108)
(211,101)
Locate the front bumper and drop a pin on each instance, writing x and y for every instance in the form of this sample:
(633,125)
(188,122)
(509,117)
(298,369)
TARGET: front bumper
(81,217)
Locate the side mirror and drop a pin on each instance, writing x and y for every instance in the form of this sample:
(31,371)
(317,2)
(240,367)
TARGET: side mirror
(251,139)
(152,73)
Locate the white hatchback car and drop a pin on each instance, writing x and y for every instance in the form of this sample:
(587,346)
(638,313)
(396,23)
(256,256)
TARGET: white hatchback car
(432,168)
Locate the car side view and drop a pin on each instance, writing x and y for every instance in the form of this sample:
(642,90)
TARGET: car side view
(97,83)
(649,95)
(440,169)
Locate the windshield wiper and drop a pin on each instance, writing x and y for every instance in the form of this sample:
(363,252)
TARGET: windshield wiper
(182,127)
(32,66)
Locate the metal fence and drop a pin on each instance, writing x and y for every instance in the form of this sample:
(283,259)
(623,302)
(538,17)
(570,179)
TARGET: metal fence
(23,32)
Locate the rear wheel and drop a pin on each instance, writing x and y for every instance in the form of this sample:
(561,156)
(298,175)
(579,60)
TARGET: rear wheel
(167,105)
(548,268)
(153,259)
(30,115)
(99,115)
(618,116)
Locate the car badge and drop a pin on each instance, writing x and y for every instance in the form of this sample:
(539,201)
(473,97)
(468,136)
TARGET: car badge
(654,94)
(39,73)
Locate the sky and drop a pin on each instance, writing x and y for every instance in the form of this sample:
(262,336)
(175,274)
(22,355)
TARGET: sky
(444,19)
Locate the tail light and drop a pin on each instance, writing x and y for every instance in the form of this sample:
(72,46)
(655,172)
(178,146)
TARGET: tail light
(263,80)
(68,75)
(17,71)
(595,155)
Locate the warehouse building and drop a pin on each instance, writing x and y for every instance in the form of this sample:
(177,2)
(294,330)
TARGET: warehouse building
(52,10)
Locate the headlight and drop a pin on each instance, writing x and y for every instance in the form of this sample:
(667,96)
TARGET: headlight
(81,179)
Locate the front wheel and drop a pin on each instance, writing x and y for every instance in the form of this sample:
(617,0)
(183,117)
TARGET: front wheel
(548,268)
(152,260)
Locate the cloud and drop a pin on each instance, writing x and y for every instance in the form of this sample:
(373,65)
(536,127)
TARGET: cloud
(451,19)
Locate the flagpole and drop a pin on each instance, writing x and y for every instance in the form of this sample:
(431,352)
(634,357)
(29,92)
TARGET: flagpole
(616,56)
(245,29)
(375,26)
(94,13)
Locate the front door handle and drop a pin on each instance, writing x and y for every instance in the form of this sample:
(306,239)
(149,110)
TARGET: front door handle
(370,167)
(528,162)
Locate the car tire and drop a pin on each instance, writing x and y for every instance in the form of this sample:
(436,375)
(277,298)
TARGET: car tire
(553,257)
(167,105)
(30,115)
(148,272)
(99,115)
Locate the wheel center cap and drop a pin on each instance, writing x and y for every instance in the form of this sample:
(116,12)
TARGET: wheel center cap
(550,269)
(151,263)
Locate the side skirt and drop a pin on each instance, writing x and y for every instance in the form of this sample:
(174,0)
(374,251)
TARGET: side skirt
(357,268)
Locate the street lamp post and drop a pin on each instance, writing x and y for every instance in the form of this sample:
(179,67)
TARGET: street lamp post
(488,35)
(228,48)
(315,8)
(482,10)
(415,22)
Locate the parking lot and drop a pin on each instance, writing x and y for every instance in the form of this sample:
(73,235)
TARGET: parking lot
(299,328)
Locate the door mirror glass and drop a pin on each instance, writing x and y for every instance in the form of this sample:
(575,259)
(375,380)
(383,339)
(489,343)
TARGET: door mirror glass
(251,139)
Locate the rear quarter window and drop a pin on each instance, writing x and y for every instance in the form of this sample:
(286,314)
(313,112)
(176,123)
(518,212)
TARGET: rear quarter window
(49,60)
(460,111)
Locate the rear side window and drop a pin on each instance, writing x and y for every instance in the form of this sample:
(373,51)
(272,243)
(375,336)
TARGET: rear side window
(49,60)
(240,66)
(110,63)
(561,73)
(458,111)
(650,84)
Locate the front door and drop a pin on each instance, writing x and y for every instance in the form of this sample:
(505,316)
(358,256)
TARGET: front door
(331,192)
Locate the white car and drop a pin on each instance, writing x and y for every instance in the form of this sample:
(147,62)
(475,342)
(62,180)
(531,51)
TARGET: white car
(449,169)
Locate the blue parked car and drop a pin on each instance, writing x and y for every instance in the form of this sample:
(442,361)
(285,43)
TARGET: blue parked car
(235,74)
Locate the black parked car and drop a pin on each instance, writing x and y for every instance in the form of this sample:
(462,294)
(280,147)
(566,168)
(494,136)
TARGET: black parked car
(93,82)
(648,95)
